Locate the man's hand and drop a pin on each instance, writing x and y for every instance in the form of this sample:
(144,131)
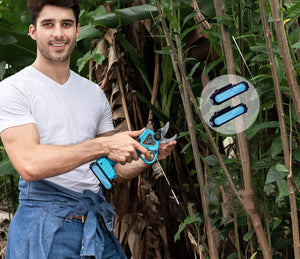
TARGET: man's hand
(122,147)
(130,171)
(165,149)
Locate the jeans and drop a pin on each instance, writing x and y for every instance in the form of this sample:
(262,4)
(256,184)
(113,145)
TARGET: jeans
(67,243)
(43,226)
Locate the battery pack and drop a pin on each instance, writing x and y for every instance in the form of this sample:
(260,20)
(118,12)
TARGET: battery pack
(103,169)
(227,114)
(227,92)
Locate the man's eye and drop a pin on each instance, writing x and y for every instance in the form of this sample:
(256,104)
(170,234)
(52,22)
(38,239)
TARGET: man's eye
(47,24)
(66,24)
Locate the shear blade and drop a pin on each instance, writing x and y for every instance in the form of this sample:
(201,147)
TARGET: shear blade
(164,129)
(167,140)
(163,132)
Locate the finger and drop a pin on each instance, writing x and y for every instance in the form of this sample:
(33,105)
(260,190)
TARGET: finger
(135,133)
(122,160)
(144,151)
(169,145)
(135,156)
(129,160)
(166,149)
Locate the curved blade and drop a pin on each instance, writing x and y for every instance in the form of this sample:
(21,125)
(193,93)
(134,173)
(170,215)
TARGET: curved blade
(167,140)
(164,129)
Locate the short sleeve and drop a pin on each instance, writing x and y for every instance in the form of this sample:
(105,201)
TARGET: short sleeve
(14,106)
(106,122)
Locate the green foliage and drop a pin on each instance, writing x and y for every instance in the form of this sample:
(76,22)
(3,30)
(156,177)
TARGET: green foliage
(248,235)
(275,175)
(192,219)
(125,16)
(89,55)
(17,50)
(135,57)
(6,168)
(88,32)
(269,172)
(232,256)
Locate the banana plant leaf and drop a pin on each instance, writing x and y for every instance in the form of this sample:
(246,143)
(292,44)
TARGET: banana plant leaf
(126,16)
(16,49)
(7,168)
(89,32)
(136,58)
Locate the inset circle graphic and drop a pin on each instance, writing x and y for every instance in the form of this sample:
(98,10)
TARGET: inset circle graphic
(229,104)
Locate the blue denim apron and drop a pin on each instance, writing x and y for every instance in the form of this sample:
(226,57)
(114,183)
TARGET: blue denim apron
(44,207)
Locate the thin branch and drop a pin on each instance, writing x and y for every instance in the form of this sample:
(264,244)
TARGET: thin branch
(155,84)
(181,77)
(123,98)
(285,55)
(286,152)
(248,197)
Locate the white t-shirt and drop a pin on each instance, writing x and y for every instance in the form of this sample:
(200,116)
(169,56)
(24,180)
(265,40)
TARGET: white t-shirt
(64,114)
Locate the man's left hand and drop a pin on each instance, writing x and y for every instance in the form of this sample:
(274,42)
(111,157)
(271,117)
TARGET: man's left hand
(165,149)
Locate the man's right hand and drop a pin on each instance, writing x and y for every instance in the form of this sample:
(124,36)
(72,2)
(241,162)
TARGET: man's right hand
(122,147)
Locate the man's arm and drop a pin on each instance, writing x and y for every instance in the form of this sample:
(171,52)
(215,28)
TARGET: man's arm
(34,161)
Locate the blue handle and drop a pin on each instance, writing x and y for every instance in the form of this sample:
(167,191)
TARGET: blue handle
(146,161)
(147,139)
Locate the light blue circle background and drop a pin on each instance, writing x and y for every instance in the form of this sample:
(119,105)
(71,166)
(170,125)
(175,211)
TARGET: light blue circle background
(250,98)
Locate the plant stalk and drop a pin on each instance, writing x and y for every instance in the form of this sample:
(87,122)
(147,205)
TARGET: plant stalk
(124,105)
(182,78)
(283,131)
(236,232)
(248,193)
(285,55)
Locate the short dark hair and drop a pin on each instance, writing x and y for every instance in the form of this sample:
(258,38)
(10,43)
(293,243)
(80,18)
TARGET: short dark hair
(36,6)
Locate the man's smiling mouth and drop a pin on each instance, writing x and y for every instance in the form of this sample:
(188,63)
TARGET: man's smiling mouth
(58,44)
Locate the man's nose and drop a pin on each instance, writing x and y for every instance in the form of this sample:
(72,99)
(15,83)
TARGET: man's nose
(57,31)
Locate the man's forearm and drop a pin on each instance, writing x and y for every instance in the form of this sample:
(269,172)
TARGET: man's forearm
(130,170)
(44,161)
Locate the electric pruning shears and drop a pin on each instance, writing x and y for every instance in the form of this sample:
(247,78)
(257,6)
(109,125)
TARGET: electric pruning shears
(103,168)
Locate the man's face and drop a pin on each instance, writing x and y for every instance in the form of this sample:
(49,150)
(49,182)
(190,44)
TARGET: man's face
(55,33)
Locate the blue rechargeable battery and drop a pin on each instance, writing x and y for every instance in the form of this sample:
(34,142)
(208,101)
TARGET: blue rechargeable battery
(227,92)
(227,114)
(103,169)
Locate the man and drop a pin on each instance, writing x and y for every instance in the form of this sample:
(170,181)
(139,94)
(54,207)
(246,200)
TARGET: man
(53,123)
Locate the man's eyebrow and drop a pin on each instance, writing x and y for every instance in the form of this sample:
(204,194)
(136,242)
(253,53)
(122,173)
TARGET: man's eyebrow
(68,20)
(63,20)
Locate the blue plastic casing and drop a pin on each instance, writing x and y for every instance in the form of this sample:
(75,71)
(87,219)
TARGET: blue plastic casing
(104,170)
(227,114)
(149,140)
(227,92)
